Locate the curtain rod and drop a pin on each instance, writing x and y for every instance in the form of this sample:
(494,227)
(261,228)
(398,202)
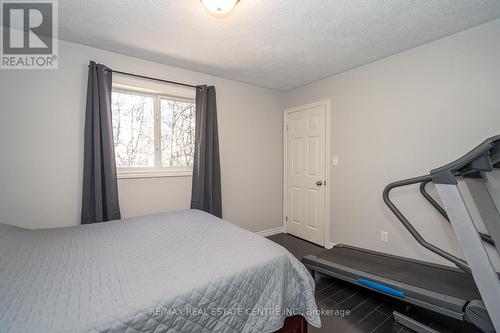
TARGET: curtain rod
(152,78)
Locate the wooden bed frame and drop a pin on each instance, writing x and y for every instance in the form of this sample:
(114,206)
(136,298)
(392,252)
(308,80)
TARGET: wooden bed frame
(294,324)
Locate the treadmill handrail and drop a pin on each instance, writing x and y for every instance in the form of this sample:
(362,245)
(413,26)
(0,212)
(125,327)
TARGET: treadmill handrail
(431,200)
(435,204)
(460,263)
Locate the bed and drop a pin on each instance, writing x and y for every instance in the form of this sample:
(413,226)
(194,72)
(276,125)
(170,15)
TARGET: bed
(184,271)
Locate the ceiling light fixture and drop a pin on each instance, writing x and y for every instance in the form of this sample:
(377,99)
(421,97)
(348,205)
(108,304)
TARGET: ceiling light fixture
(219,8)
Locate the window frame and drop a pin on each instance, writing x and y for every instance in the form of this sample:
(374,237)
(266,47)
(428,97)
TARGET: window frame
(157,171)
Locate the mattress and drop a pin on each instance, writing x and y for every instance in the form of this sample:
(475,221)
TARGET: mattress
(184,271)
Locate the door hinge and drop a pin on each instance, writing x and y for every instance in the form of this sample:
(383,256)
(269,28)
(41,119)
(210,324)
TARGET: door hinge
(286,218)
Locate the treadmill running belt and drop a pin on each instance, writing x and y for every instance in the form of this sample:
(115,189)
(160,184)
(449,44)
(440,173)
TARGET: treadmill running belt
(436,278)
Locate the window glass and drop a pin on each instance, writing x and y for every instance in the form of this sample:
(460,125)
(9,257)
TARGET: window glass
(133,129)
(177,133)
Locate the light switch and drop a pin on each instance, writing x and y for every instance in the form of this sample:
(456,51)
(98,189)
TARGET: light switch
(335,160)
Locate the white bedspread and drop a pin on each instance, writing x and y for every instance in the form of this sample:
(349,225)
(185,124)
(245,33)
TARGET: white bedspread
(184,271)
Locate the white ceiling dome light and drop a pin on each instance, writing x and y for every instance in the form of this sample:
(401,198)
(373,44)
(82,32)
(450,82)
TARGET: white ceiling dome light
(219,8)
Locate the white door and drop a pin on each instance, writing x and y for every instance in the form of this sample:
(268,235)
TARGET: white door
(306,173)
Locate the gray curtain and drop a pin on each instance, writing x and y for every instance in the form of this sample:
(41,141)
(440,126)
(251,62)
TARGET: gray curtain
(206,192)
(100,191)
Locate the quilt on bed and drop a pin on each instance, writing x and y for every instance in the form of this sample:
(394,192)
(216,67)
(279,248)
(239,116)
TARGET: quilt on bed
(184,271)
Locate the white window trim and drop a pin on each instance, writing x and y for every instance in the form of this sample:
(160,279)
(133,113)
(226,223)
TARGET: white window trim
(152,172)
(132,173)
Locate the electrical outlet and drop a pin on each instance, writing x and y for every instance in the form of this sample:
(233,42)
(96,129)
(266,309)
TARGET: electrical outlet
(335,160)
(384,236)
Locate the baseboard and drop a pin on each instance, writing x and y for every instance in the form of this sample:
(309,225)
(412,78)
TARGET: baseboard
(270,232)
(329,245)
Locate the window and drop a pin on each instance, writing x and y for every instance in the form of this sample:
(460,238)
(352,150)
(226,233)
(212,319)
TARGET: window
(153,134)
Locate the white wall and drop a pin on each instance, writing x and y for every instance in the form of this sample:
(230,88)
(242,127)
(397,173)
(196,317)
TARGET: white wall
(398,118)
(392,119)
(41,146)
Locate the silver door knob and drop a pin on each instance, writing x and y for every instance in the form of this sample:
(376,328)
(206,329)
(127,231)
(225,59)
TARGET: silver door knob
(319,183)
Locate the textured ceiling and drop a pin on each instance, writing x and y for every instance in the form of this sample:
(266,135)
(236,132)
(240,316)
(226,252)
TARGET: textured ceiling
(279,44)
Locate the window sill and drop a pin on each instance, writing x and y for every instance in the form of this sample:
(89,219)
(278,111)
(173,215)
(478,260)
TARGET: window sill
(153,174)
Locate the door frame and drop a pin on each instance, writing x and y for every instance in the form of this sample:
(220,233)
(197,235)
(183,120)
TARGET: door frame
(326,103)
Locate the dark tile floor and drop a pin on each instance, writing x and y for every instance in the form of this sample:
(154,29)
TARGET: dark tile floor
(369,311)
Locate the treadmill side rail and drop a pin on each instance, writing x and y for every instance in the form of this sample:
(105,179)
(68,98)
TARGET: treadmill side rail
(440,303)
(412,323)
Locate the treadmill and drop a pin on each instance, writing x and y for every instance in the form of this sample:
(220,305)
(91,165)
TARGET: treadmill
(469,292)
